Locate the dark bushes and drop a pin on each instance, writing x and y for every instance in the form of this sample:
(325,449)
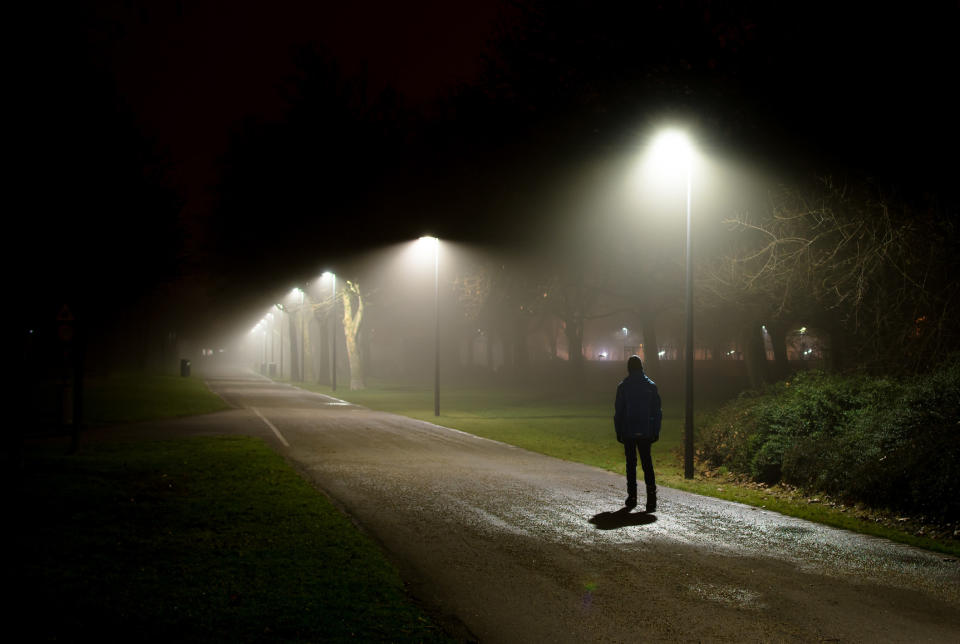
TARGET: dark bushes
(889,442)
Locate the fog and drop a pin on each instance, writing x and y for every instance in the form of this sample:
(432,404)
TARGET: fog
(171,213)
(603,282)
(552,275)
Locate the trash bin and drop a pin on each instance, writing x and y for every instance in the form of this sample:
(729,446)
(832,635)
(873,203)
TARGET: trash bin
(184,367)
(273,369)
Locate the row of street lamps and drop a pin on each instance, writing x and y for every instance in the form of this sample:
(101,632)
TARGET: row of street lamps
(670,150)
(673,148)
(430,244)
(299,292)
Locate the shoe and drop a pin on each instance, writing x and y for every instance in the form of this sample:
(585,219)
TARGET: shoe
(631,502)
(651,499)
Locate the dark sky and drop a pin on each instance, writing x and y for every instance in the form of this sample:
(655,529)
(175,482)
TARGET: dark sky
(192,73)
(155,92)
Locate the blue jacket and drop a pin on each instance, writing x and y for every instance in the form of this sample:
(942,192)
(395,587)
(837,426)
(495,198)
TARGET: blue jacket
(638,412)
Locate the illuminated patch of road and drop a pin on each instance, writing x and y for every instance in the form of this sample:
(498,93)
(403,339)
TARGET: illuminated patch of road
(728,595)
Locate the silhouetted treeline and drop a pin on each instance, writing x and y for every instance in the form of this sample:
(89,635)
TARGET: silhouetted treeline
(520,160)
(99,219)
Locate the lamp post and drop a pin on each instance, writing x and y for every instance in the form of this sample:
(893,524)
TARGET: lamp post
(296,290)
(263,363)
(673,148)
(269,360)
(435,243)
(276,354)
(280,308)
(688,418)
(301,333)
(333,347)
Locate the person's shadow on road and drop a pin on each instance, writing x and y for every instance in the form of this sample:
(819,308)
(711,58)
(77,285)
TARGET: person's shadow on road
(622,518)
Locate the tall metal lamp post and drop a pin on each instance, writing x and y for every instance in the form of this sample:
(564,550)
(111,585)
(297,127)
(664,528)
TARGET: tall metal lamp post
(302,296)
(279,307)
(333,348)
(673,149)
(435,243)
(298,375)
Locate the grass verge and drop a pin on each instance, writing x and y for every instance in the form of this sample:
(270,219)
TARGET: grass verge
(580,428)
(126,398)
(200,539)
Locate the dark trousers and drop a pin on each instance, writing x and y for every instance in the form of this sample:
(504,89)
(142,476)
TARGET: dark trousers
(641,446)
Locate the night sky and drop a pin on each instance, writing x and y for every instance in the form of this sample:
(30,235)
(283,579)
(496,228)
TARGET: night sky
(171,151)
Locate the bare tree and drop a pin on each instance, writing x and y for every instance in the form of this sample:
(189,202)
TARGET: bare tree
(503,298)
(473,288)
(854,261)
(353,305)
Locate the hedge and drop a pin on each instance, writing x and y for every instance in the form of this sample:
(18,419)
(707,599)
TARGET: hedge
(890,442)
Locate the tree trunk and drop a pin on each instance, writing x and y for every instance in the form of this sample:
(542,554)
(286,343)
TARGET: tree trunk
(507,345)
(366,350)
(574,332)
(717,350)
(651,354)
(778,338)
(552,340)
(754,354)
(520,352)
(352,319)
(307,339)
(488,337)
(835,358)
(323,366)
(294,347)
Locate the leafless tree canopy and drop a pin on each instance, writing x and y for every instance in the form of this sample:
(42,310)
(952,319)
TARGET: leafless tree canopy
(876,270)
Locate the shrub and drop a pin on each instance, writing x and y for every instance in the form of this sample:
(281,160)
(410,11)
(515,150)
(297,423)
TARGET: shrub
(887,442)
(722,440)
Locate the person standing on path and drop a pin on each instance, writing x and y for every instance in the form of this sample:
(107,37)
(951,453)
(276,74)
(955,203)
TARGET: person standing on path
(637,423)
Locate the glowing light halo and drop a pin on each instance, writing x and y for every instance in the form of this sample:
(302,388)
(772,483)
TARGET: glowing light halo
(672,148)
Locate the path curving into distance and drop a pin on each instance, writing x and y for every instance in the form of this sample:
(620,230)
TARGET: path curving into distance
(507,545)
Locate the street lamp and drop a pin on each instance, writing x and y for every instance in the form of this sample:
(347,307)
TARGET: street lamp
(280,308)
(673,150)
(434,243)
(272,343)
(262,328)
(302,295)
(291,296)
(333,348)
(296,290)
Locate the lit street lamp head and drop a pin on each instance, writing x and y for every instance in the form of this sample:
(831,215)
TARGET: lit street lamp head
(665,166)
(672,149)
(427,245)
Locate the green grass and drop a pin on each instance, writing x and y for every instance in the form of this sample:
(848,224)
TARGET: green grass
(202,539)
(580,428)
(132,397)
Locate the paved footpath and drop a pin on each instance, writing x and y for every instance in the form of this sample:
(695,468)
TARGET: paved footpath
(506,545)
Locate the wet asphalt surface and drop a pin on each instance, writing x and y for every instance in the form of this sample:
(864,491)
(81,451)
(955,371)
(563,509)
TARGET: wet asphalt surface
(505,545)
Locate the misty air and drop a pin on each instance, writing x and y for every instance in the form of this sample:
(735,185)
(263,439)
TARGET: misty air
(486,322)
